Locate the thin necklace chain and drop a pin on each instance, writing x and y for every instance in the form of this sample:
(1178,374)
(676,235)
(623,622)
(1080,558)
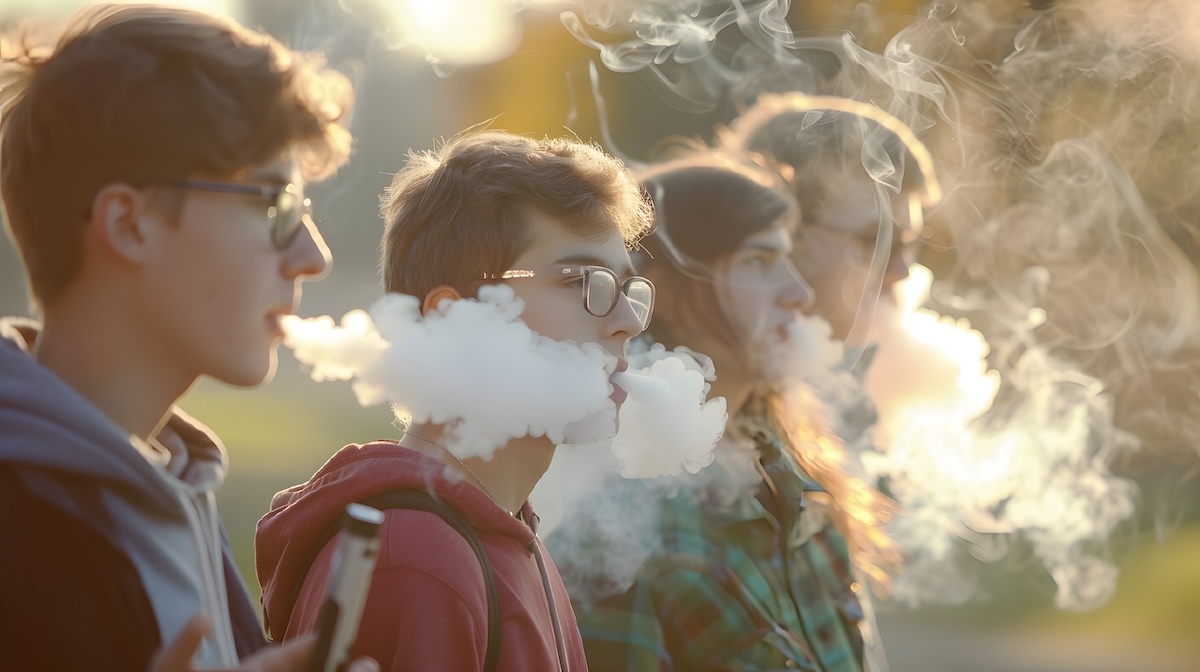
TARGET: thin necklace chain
(464,466)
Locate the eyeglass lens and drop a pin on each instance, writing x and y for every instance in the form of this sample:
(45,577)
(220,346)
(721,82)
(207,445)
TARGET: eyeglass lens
(602,292)
(287,215)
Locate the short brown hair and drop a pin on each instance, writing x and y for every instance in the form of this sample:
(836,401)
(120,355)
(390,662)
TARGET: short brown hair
(458,212)
(146,93)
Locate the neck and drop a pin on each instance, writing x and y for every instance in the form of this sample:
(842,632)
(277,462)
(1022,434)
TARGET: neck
(106,359)
(735,389)
(508,477)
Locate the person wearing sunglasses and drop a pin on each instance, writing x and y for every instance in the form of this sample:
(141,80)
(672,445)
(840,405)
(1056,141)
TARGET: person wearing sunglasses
(553,220)
(742,573)
(152,165)
(285,203)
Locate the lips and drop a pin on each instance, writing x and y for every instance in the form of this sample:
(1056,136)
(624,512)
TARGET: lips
(275,319)
(619,395)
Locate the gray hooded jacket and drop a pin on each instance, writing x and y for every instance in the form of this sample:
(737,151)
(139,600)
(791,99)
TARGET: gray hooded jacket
(156,504)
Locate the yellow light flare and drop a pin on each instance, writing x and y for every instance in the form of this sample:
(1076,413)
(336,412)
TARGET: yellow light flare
(459,31)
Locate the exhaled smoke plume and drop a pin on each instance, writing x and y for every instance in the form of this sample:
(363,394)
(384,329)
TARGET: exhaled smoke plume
(602,525)
(474,365)
(973,475)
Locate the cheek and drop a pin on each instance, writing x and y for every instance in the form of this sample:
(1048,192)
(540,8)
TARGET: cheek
(748,309)
(826,262)
(554,312)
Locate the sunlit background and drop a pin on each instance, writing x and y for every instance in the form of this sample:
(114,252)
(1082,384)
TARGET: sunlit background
(427,69)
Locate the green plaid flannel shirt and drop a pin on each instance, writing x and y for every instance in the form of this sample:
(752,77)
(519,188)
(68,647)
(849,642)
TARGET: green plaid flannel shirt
(737,588)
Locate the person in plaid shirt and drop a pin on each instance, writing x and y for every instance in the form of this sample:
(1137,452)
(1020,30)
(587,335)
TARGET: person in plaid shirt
(748,571)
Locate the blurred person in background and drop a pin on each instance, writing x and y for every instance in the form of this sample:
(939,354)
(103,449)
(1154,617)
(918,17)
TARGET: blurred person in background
(859,191)
(753,569)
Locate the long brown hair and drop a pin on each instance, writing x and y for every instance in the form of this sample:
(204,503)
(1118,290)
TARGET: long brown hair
(859,510)
(706,205)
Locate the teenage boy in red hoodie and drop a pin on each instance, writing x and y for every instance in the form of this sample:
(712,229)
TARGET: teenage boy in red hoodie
(482,205)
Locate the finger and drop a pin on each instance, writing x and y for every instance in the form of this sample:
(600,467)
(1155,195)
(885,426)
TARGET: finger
(363,665)
(177,656)
(287,657)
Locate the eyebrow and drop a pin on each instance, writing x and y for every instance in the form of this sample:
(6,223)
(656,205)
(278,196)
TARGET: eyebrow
(624,270)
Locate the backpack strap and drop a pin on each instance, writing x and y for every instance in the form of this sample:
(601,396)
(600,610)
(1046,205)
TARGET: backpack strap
(419,500)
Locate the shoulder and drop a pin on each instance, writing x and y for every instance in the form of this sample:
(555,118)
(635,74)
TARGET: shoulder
(426,544)
(36,501)
(63,576)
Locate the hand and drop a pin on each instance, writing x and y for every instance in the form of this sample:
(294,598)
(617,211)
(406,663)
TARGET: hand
(292,656)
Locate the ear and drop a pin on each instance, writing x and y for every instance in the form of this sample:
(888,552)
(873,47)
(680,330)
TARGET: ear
(438,294)
(117,224)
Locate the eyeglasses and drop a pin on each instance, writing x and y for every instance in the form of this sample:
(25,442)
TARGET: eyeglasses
(286,204)
(601,289)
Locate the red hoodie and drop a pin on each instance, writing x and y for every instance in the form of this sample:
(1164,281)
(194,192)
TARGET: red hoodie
(427,607)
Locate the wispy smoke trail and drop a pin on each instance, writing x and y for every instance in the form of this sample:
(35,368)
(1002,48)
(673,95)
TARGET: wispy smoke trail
(1080,201)
(1071,183)
(475,365)
(655,36)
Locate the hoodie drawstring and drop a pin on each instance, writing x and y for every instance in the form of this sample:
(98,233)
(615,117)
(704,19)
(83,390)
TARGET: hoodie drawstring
(558,635)
(206,534)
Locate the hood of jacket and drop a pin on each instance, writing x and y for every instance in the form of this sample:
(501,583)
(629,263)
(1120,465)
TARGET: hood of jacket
(284,543)
(157,498)
(48,425)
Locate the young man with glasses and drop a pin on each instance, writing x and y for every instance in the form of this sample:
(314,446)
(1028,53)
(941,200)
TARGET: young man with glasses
(151,165)
(553,220)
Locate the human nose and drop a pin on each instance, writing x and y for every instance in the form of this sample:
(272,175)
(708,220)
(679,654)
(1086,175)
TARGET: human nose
(797,294)
(308,255)
(623,322)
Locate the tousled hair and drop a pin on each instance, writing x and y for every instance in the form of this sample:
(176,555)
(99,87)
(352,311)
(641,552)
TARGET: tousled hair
(141,94)
(459,212)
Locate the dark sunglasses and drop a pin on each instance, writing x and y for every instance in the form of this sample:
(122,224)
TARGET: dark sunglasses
(601,289)
(286,204)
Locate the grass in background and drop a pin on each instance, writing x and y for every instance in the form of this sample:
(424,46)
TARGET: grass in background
(279,435)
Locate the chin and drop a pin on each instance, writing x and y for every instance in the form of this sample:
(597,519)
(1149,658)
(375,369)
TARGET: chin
(251,373)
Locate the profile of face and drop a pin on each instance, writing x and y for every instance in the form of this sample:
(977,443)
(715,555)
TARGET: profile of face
(835,252)
(759,293)
(225,267)
(555,303)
